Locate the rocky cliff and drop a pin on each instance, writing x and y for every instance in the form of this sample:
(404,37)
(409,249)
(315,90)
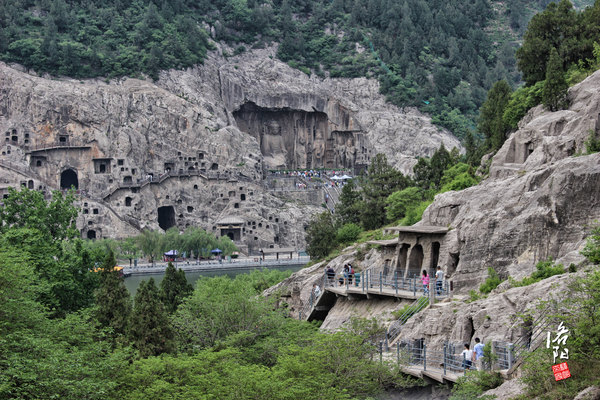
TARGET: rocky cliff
(539,201)
(194,147)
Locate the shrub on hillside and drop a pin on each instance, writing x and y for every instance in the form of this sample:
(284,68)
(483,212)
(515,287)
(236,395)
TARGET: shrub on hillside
(491,283)
(544,270)
(348,233)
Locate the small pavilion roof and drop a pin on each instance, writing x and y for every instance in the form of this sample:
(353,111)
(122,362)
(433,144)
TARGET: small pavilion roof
(389,242)
(424,229)
(279,250)
(230,221)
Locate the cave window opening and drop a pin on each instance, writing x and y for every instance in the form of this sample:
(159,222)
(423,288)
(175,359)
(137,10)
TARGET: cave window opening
(128,179)
(276,239)
(68,179)
(127,201)
(236,205)
(120,162)
(214,166)
(242,197)
(86,211)
(195,187)
(27,136)
(95,211)
(435,256)
(30,184)
(166,217)
(63,139)
(102,169)
(415,261)
(200,156)
(91,234)
(190,209)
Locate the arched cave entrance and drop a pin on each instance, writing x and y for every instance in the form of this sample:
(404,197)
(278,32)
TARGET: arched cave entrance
(91,234)
(415,261)
(68,179)
(166,217)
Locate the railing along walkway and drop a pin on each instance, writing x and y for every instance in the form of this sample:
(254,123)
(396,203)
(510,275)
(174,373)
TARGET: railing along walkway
(373,281)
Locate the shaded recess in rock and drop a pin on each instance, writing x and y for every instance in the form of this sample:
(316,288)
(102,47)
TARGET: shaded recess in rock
(166,217)
(290,138)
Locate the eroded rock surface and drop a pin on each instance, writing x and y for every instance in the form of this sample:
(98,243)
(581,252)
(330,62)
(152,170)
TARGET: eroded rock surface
(193,149)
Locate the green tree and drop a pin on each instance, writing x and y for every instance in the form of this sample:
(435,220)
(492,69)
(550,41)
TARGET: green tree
(150,243)
(382,180)
(554,93)
(349,206)
(150,330)
(113,303)
(491,122)
(174,288)
(321,235)
(401,201)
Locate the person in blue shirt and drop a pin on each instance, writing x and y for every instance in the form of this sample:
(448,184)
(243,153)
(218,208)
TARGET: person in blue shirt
(478,349)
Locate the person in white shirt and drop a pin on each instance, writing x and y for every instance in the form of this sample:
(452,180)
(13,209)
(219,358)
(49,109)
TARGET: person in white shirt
(466,356)
(316,290)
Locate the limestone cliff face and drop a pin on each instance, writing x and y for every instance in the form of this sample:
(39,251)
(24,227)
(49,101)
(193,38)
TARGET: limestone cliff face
(194,147)
(539,201)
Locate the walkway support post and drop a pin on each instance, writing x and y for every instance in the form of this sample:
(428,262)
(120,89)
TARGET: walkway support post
(445,359)
(363,277)
(380,283)
(414,288)
(398,352)
(396,281)
(424,357)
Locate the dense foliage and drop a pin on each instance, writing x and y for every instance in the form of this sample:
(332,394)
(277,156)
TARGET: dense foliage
(221,341)
(194,242)
(384,195)
(441,56)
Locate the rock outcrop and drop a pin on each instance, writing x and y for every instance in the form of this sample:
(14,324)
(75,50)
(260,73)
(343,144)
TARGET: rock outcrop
(539,201)
(528,210)
(194,148)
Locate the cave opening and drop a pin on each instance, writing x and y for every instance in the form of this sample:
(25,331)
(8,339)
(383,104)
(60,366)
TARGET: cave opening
(166,217)
(289,138)
(415,261)
(68,179)
(91,234)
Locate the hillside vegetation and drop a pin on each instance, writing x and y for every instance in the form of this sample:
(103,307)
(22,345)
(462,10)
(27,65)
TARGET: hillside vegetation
(441,56)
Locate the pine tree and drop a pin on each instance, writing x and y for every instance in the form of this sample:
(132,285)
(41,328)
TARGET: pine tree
(112,298)
(491,123)
(174,288)
(150,331)
(554,94)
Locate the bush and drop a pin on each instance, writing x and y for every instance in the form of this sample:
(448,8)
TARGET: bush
(491,283)
(544,270)
(348,233)
(471,386)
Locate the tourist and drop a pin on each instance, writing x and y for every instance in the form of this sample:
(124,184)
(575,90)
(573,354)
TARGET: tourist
(478,354)
(316,291)
(425,280)
(439,280)
(330,275)
(466,356)
(346,273)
